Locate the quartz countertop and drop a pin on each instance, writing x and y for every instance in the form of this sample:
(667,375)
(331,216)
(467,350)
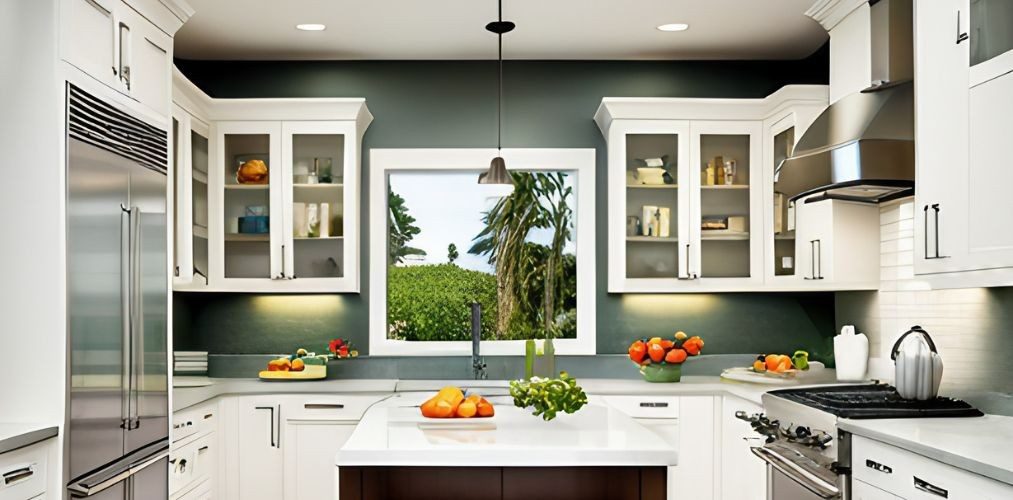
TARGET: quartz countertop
(14,436)
(392,433)
(184,397)
(979,445)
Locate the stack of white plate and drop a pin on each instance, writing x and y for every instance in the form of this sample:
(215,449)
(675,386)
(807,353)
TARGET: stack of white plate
(190,362)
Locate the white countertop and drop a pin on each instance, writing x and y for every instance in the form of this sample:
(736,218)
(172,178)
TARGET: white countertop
(979,445)
(19,435)
(184,397)
(392,433)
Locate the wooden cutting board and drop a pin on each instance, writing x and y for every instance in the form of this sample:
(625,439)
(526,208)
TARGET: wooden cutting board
(311,372)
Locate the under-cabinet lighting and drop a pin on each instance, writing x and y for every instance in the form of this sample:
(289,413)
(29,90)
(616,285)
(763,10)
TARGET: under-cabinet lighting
(310,27)
(674,27)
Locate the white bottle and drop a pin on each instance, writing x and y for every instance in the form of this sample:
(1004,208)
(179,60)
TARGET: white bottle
(851,355)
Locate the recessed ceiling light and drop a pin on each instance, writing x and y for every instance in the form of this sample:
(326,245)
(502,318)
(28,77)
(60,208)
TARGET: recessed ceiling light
(674,27)
(310,27)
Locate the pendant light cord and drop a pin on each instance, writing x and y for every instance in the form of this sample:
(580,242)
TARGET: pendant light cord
(499,100)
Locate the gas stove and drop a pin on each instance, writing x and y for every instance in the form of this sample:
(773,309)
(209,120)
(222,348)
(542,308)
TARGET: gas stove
(803,447)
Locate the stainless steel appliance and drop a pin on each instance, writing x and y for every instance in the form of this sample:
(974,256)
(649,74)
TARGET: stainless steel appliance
(919,369)
(117,297)
(806,456)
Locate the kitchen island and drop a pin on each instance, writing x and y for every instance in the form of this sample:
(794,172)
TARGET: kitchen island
(597,452)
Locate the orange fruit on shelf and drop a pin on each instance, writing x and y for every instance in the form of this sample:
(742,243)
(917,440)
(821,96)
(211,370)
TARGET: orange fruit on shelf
(675,356)
(467,409)
(656,352)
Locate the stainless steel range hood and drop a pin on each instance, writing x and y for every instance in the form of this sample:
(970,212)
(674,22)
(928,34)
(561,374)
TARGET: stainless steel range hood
(862,147)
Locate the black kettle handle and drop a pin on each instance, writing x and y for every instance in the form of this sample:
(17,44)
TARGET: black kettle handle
(914,329)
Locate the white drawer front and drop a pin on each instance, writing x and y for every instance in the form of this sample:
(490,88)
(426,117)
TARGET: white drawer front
(23,472)
(646,406)
(193,421)
(326,407)
(912,476)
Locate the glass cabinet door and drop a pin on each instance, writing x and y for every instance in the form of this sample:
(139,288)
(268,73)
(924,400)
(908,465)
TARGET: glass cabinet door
(247,153)
(727,208)
(991,29)
(316,155)
(179,218)
(653,197)
(784,229)
(199,133)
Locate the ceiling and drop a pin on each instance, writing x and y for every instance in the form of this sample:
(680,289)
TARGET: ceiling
(455,29)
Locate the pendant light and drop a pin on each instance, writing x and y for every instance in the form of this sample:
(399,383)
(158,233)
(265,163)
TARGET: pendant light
(497,173)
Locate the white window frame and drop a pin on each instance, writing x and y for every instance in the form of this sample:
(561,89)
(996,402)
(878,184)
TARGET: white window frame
(385,161)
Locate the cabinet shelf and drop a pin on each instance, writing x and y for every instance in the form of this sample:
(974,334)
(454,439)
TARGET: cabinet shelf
(321,186)
(652,239)
(200,231)
(652,186)
(247,237)
(725,187)
(248,187)
(723,235)
(201,177)
(313,238)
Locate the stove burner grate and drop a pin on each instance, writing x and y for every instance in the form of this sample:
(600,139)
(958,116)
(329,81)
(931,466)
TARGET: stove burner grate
(875,401)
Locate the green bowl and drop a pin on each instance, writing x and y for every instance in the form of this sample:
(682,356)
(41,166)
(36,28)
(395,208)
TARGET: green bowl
(661,373)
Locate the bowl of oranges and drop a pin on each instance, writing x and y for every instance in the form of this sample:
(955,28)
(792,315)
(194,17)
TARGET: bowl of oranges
(660,359)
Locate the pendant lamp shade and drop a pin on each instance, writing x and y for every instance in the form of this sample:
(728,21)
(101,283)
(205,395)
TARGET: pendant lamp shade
(497,173)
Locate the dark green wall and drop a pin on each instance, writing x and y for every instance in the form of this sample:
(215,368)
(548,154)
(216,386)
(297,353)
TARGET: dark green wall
(546,104)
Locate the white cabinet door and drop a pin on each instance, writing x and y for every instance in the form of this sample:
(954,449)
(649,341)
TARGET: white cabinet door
(638,262)
(813,235)
(694,477)
(990,169)
(732,257)
(864,491)
(88,40)
(837,243)
(260,457)
(941,137)
(743,475)
(147,61)
(310,449)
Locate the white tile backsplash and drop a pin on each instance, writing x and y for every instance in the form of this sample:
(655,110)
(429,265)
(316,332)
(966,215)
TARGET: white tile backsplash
(971,327)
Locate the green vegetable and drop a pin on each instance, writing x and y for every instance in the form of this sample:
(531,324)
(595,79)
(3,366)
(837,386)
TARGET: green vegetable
(801,360)
(548,396)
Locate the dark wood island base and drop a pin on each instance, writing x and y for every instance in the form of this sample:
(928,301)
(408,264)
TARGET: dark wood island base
(502,483)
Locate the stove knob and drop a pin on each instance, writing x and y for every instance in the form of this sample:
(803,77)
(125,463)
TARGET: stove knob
(802,432)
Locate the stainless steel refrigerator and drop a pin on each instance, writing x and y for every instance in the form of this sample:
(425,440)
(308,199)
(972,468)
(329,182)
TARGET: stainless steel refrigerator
(117,298)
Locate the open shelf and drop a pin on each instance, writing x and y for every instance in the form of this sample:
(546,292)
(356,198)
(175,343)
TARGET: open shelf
(652,239)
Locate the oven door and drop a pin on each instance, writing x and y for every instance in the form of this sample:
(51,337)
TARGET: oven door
(796,473)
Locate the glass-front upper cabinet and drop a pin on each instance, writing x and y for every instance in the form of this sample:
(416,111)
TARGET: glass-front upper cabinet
(320,208)
(726,204)
(649,182)
(190,201)
(783,256)
(987,29)
(249,217)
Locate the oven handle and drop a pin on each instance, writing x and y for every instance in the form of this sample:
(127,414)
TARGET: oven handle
(810,482)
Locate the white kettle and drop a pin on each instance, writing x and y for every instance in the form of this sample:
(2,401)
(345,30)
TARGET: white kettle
(919,367)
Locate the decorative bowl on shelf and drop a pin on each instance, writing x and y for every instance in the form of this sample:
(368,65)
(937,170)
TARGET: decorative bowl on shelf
(663,373)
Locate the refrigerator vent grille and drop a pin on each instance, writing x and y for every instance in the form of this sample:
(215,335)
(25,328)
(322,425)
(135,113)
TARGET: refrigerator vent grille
(103,126)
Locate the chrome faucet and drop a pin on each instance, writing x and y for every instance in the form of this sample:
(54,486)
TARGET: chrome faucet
(477,363)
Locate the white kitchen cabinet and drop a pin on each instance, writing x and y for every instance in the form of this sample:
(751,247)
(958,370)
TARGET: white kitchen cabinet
(258,455)
(861,490)
(686,422)
(837,242)
(743,475)
(120,47)
(23,472)
(645,254)
(907,475)
(311,149)
(190,139)
(963,80)
(193,456)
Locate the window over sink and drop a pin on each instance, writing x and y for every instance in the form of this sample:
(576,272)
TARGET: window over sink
(440,241)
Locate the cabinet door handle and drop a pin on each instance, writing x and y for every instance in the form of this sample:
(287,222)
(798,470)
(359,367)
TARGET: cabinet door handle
(202,449)
(271,436)
(281,276)
(323,406)
(654,404)
(819,255)
(935,207)
(18,474)
(689,275)
(928,487)
(961,35)
(125,54)
(925,238)
(812,263)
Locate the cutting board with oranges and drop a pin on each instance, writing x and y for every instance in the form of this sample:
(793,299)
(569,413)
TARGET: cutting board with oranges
(309,372)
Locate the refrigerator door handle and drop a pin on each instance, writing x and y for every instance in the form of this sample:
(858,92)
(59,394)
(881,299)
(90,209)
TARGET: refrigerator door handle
(136,315)
(126,249)
(107,479)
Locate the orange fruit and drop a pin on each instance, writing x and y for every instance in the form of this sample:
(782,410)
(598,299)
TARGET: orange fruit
(667,344)
(637,351)
(772,361)
(443,409)
(675,356)
(298,365)
(656,352)
(429,408)
(654,340)
(467,409)
(485,408)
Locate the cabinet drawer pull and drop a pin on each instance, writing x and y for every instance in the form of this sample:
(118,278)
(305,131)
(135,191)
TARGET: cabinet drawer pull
(18,475)
(324,406)
(886,469)
(927,487)
(202,449)
(654,404)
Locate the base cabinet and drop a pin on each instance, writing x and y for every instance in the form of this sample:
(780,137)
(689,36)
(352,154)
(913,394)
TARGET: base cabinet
(743,475)
(861,490)
(259,452)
